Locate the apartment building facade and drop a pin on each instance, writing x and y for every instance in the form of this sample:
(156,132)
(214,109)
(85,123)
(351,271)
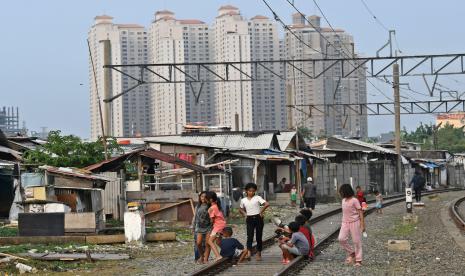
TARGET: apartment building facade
(130,113)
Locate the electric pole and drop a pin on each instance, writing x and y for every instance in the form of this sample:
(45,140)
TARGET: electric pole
(396,84)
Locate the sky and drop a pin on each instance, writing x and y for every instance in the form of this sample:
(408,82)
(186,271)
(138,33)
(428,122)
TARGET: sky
(44,55)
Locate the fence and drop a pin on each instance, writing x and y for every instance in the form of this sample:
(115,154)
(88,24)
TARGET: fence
(455,175)
(112,196)
(374,175)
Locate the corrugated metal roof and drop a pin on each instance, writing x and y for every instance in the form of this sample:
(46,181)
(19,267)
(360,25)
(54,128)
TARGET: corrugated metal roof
(231,141)
(151,153)
(285,138)
(74,173)
(334,144)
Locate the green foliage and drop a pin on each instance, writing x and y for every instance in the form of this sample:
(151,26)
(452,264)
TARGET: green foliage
(305,132)
(448,137)
(8,231)
(70,151)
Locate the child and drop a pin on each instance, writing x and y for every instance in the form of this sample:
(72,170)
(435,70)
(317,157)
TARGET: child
(297,245)
(307,213)
(379,202)
(361,198)
(353,223)
(202,226)
(250,208)
(231,247)
(301,220)
(293,196)
(218,223)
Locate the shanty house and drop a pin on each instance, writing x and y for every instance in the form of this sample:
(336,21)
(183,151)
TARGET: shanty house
(358,163)
(149,176)
(238,157)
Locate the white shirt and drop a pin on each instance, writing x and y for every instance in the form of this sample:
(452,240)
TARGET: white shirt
(252,206)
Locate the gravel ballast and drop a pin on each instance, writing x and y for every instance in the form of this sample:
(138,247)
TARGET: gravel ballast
(433,250)
(181,262)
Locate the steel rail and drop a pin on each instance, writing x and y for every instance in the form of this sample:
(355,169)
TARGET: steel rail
(455,213)
(225,263)
(298,263)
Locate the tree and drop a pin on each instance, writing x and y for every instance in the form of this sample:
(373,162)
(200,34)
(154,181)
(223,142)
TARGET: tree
(70,151)
(448,137)
(305,132)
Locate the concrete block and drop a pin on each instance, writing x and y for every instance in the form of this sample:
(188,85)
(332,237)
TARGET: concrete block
(399,245)
(410,219)
(80,222)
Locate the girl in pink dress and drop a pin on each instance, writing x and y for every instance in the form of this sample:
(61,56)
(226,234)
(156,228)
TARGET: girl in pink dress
(218,222)
(353,224)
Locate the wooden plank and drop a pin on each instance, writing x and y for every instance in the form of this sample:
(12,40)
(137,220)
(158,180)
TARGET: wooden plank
(163,236)
(76,256)
(167,207)
(80,222)
(12,256)
(42,240)
(105,239)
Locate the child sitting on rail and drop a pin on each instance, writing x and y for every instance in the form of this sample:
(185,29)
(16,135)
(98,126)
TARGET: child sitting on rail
(297,245)
(231,247)
(353,223)
(300,219)
(307,213)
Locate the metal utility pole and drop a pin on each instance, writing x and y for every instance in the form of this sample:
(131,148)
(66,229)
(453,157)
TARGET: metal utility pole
(107,86)
(396,84)
(104,140)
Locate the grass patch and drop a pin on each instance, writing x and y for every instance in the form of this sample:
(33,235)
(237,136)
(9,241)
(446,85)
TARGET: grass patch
(403,230)
(8,231)
(114,223)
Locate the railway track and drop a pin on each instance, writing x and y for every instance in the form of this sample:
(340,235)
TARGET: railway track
(325,228)
(456,214)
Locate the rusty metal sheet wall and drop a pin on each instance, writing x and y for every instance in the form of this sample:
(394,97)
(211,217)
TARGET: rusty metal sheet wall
(112,195)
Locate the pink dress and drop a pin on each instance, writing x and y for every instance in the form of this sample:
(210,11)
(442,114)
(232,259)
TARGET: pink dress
(351,227)
(217,218)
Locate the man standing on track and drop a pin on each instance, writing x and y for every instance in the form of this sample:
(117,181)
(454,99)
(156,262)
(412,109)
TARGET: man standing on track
(417,183)
(309,194)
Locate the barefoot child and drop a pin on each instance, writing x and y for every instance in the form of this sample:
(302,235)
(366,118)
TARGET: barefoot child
(252,207)
(297,245)
(202,226)
(353,223)
(231,247)
(379,202)
(293,195)
(218,223)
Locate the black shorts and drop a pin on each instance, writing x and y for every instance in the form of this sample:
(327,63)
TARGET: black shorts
(310,202)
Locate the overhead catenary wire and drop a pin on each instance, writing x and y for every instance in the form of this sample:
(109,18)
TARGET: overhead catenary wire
(286,27)
(380,23)
(370,11)
(378,78)
(325,38)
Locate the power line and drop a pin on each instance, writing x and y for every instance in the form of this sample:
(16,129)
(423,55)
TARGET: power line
(325,38)
(395,40)
(286,27)
(374,16)
(398,48)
